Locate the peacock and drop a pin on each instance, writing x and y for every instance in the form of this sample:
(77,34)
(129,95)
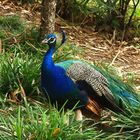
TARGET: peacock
(78,84)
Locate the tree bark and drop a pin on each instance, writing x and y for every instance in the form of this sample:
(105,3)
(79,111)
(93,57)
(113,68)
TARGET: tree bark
(47,17)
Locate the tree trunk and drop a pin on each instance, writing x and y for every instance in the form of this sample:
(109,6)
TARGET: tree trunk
(47,17)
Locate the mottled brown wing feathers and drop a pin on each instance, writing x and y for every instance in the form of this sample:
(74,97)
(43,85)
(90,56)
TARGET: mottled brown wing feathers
(95,79)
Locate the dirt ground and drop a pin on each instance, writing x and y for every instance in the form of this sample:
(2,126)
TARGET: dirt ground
(98,47)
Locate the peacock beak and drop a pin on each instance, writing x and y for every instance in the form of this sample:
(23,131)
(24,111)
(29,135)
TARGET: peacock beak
(45,41)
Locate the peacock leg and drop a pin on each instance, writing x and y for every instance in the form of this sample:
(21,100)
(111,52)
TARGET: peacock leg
(79,117)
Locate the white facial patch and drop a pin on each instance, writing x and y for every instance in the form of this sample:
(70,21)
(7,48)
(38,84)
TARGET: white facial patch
(53,40)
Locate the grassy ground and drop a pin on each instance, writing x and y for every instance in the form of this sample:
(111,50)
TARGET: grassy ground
(24,112)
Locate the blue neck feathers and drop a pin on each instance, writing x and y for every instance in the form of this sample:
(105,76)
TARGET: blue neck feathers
(48,61)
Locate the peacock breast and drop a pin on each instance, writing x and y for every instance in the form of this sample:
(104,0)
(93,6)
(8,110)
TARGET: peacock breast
(57,83)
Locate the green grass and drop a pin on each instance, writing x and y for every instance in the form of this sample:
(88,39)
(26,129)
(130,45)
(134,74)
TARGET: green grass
(15,69)
(40,122)
(13,24)
(32,117)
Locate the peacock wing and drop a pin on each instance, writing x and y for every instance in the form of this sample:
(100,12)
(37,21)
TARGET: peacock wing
(81,71)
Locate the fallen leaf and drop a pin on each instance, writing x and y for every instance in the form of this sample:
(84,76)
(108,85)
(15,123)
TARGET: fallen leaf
(56,132)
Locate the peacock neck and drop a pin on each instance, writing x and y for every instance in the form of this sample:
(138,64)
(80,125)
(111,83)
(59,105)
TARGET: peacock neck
(48,61)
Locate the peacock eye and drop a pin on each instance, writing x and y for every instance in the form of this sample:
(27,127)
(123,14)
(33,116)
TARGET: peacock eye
(52,40)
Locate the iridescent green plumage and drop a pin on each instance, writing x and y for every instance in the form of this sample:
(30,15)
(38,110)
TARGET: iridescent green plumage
(115,91)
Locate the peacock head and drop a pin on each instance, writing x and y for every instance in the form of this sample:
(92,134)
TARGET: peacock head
(50,40)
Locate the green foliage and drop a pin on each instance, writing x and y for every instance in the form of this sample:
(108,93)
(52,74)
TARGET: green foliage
(24,69)
(73,10)
(20,64)
(42,123)
(11,23)
(128,127)
(104,14)
(11,26)
(35,120)
(19,125)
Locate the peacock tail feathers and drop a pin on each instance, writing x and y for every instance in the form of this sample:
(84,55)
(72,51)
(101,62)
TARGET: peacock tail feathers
(102,82)
(121,91)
